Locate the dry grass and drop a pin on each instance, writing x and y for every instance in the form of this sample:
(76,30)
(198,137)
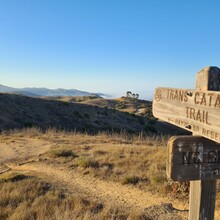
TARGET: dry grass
(118,157)
(129,159)
(34,199)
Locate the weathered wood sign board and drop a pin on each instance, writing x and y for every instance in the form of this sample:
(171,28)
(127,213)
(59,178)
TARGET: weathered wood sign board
(193,158)
(194,110)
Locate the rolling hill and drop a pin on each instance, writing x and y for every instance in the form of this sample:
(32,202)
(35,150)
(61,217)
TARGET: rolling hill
(90,115)
(34,92)
(19,111)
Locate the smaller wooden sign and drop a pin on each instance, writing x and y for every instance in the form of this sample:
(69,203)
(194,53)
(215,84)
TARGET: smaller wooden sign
(193,158)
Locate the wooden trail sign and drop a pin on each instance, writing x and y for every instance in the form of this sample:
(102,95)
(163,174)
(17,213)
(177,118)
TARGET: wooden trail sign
(193,158)
(194,110)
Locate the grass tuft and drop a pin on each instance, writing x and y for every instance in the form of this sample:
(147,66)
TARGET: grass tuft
(62,153)
(86,162)
(13,177)
(131,180)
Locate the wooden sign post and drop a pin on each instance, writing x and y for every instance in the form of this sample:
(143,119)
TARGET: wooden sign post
(194,158)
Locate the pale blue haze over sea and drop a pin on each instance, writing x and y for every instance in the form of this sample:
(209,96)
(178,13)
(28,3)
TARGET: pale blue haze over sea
(107,46)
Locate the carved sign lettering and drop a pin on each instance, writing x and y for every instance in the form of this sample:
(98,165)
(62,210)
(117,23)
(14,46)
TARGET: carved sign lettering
(194,110)
(193,158)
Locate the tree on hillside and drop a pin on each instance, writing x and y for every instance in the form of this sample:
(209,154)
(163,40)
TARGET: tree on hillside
(131,95)
(137,96)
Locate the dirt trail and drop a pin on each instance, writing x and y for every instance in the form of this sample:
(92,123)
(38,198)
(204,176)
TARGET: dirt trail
(22,149)
(25,153)
(107,192)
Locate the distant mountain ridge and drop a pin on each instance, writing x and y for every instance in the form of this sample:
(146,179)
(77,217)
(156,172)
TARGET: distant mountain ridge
(34,92)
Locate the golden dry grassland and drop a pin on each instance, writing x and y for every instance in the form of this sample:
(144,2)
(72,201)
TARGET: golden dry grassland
(31,189)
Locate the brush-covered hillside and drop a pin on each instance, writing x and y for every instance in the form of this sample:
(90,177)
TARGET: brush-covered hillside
(19,111)
(134,106)
(141,109)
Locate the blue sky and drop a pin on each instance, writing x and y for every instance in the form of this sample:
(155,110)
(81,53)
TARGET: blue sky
(108,46)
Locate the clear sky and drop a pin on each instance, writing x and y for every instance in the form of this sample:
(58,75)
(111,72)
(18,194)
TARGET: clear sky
(109,46)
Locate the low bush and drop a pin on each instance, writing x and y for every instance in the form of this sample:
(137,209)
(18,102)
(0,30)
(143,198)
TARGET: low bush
(131,180)
(86,162)
(62,153)
(12,177)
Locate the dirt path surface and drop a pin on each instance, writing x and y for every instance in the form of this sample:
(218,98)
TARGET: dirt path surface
(22,149)
(23,154)
(106,192)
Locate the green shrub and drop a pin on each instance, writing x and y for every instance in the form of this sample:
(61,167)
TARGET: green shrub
(76,113)
(131,180)
(159,178)
(86,115)
(86,162)
(13,177)
(150,128)
(141,120)
(66,103)
(28,124)
(62,153)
